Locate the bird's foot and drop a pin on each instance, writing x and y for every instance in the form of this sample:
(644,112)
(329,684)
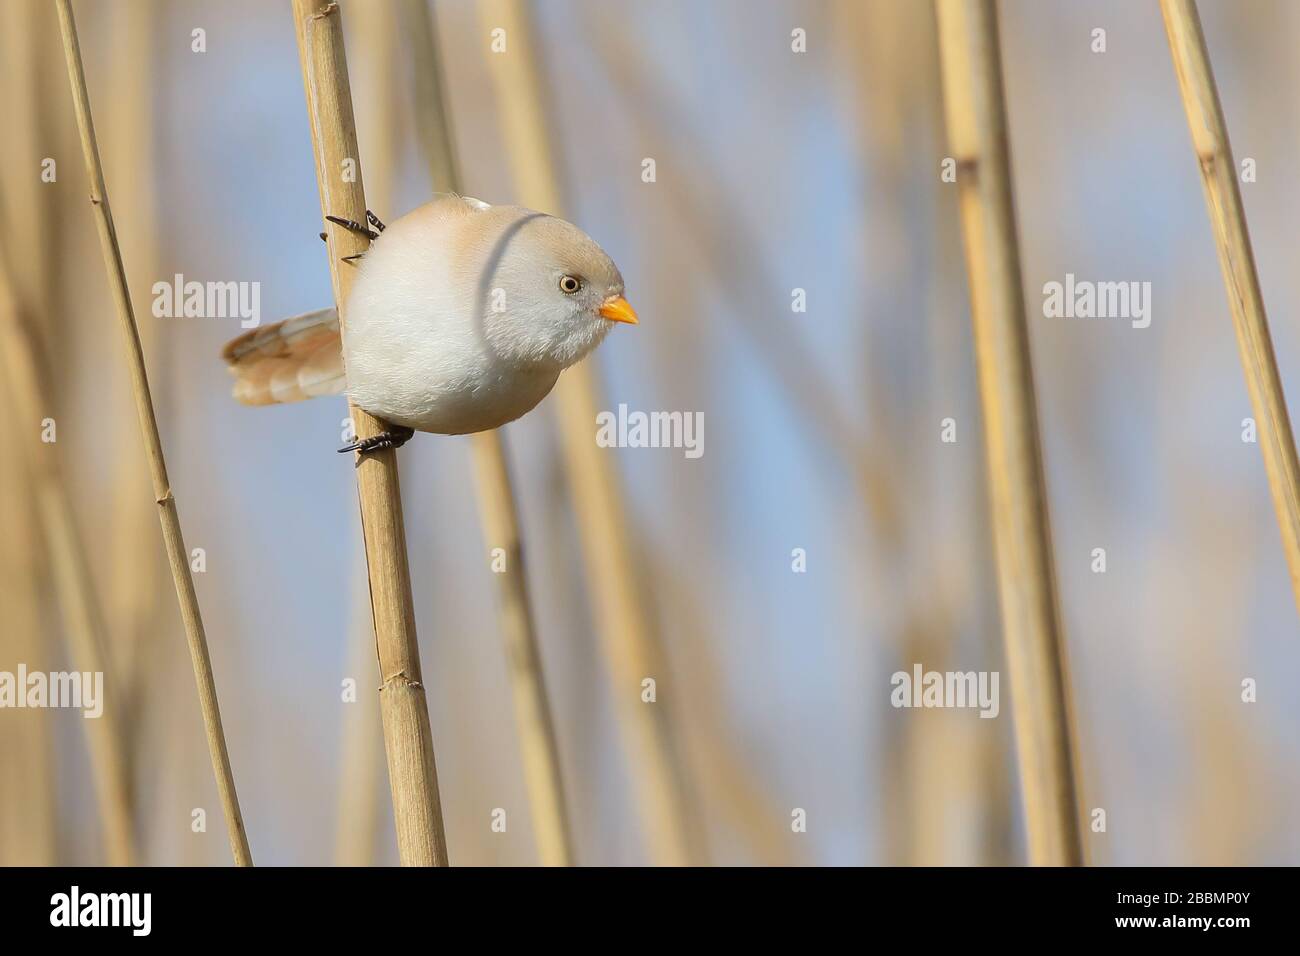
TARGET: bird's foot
(394,437)
(353,226)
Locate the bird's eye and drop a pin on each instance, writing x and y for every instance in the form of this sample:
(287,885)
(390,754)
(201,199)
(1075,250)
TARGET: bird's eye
(570,284)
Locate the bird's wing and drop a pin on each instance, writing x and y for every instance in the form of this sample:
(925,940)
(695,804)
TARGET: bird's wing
(290,361)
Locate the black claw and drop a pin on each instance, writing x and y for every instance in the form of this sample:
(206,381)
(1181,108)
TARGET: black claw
(324,238)
(352,258)
(395,437)
(374,221)
(353,226)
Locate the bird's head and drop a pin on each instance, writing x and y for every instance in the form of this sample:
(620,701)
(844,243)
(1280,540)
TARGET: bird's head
(552,294)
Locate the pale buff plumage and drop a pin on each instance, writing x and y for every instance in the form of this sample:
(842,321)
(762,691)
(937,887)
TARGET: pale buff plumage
(458,321)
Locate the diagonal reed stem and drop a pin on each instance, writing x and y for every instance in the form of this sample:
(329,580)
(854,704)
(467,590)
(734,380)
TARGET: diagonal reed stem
(496,499)
(1237,260)
(975,112)
(404,710)
(622,619)
(132,606)
(177,555)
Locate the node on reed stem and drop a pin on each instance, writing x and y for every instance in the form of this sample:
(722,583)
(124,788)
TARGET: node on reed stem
(1237,260)
(177,556)
(975,113)
(408,739)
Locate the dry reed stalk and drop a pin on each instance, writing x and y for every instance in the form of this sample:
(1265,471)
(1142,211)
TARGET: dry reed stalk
(975,113)
(138,576)
(895,71)
(496,499)
(1237,260)
(623,622)
(701,215)
(359,825)
(79,608)
(428,95)
(177,555)
(911,797)
(408,739)
(357,828)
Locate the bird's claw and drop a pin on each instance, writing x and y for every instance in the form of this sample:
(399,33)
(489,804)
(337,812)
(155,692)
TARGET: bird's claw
(353,226)
(394,437)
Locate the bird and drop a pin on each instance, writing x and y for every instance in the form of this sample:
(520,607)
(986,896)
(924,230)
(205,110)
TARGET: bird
(462,316)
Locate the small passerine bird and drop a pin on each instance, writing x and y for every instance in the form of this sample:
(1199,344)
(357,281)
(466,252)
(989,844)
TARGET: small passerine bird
(461,319)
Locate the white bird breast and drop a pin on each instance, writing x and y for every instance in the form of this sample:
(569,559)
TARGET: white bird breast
(416,351)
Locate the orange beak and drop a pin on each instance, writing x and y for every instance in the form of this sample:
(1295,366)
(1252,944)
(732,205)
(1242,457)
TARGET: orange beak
(617,310)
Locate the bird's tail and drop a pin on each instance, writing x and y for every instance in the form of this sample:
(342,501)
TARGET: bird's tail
(290,361)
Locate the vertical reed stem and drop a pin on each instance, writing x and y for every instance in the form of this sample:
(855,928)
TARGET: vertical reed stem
(496,499)
(408,738)
(622,620)
(361,805)
(177,555)
(1237,260)
(975,112)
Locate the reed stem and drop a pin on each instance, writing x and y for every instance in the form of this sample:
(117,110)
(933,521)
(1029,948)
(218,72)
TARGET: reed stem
(622,620)
(1237,260)
(975,112)
(177,555)
(404,710)
(134,596)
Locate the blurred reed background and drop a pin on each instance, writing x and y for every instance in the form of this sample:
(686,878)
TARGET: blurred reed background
(774,171)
